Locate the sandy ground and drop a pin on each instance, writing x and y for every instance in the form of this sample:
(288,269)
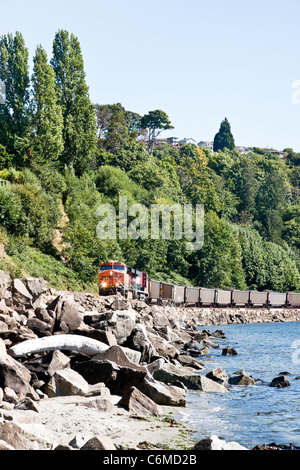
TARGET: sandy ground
(67,417)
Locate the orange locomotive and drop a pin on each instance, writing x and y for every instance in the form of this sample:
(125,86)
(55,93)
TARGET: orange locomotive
(118,277)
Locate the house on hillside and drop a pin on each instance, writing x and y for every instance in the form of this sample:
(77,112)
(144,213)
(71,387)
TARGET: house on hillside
(173,141)
(243,150)
(206,144)
(186,141)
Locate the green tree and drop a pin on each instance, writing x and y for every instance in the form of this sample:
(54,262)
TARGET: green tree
(47,119)
(79,131)
(15,112)
(219,262)
(155,122)
(224,138)
(271,200)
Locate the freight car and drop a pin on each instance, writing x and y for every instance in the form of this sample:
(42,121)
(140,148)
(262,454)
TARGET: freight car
(118,277)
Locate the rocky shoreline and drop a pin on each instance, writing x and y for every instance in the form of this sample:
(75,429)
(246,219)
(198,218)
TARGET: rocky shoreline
(79,371)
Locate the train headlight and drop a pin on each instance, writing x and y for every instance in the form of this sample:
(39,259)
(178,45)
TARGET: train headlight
(117,284)
(104,284)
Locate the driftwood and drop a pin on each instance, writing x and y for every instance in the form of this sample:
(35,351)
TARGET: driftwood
(81,344)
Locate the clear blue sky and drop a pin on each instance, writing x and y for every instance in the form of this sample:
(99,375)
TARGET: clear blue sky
(200,61)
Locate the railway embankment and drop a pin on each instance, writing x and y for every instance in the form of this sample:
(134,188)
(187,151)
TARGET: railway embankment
(80,371)
(228,315)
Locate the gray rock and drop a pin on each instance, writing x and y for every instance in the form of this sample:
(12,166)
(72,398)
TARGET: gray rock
(59,361)
(139,341)
(214,443)
(117,355)
(241,379)
(124,324)
(280,382)
(138,403)
(99,443)
(170,373)
(117,378)
(163,394)
(218,375)
(15,376)
(163,347)
(27,404)
(20,294)
(229,351)
(66,382)
(69,314)
(27,436)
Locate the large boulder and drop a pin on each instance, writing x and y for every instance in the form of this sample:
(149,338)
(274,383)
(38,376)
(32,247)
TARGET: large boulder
(20,294)
(214,443)
(106,335)
(39,327)
(241,379)
(117,355)
(124,323)
(36,286)
(98,443)
(229,351)
(68,314)
(139,341)
(23,436)
(171,373)
(138,403)
(163,347)
(117,378)
(15,376)
(218,375)
(280,382)
(66,382)
(163,394)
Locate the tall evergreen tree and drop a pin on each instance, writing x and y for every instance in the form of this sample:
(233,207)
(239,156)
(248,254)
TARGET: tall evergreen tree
(14,113)
(47,119)
(79,131)
(224,138)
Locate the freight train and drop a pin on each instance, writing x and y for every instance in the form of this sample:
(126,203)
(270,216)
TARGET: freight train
(117,277)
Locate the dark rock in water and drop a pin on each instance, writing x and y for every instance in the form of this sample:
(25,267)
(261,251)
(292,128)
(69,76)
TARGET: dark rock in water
(218,375)
(280,382)
(284,373)
(219,334)
(242,379)
(229,351)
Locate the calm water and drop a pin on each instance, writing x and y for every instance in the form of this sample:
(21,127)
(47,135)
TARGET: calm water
(254,414)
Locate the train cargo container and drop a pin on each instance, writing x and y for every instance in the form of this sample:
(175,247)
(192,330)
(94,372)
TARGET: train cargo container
(223,297)
(154,290)
(207,296)
(179,294)
(258,299)
(240,298)
(293,299)
(192,295)
(166,291)
(277,299)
